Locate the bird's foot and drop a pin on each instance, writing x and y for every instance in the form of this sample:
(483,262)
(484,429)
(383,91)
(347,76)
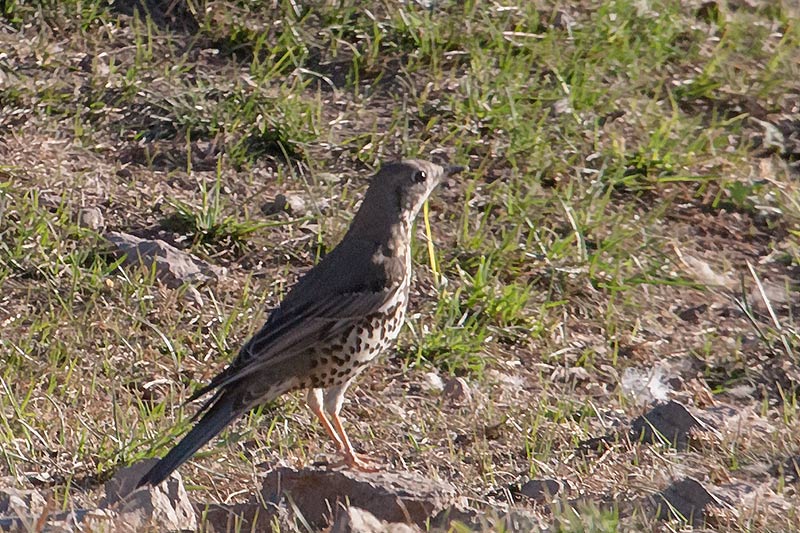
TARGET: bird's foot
(357,461)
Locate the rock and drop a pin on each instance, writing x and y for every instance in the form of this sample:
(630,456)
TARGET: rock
(511,520)
(770,294)
(456,392)
(173,267)
(390,497)
(20,507)
(790,469)
(290,203)
(296,204)
(166,506)
(355,520)
(645,385)
(670,422)
(74,520)
(702,272)
(316,496)
(275,206)
(124,481)
(432,382)
(456,518)
(248,516)
(575,373)
(91,218)
(16,502)
(518,520)
(720,415)
(540,490)
(685,500)
(563,21)
(162,508)
(561,107)
(708,12)
(50,200)
(692,313)
(328,177)
(735,493)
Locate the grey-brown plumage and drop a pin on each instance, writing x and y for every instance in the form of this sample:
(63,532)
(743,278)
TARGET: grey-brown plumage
(335,320)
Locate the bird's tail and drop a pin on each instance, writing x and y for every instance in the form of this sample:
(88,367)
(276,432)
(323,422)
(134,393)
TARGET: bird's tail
(219,414)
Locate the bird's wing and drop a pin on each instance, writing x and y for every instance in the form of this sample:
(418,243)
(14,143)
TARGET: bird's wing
(291,333)
(345,286)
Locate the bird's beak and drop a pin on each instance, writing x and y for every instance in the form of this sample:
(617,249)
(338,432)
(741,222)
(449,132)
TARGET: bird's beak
(449,170)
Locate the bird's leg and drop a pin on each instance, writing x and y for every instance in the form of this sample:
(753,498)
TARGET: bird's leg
(352,459)
(334,397)
(314,402)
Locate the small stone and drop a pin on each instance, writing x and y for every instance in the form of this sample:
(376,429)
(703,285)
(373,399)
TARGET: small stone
(173,267)
(91,218)
(645,385)
(790,469)
(50,200)
(290,203)
(432,382)
(466,519)
(85,64)
(575,373)
(563,21)
(166,506)
(21,503)
(355,520)
(519,520)
(692,313)
(456,391)
(540,490)
(670,422)
(275,206)
(400,497)
(686,499)
(562,107)
(708,12)
(296,204)
(328,177)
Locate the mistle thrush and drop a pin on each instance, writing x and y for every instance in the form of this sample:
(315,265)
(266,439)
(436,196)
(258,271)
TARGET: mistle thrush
(335,320)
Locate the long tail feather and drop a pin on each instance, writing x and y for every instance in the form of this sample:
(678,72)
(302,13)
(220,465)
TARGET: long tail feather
(219,414)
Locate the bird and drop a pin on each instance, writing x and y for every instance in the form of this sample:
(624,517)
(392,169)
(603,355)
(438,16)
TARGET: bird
(330,326)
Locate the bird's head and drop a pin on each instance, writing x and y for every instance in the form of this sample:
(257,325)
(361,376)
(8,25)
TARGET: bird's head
(408,184)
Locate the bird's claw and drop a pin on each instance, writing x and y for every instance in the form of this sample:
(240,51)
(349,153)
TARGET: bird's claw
(357,461)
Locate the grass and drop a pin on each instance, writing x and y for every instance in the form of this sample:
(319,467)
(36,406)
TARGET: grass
(614,179)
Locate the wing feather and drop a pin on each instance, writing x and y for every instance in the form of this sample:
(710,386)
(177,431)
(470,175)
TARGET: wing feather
(290,333)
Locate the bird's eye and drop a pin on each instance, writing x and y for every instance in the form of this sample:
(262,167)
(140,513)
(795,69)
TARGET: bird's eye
(419,176)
